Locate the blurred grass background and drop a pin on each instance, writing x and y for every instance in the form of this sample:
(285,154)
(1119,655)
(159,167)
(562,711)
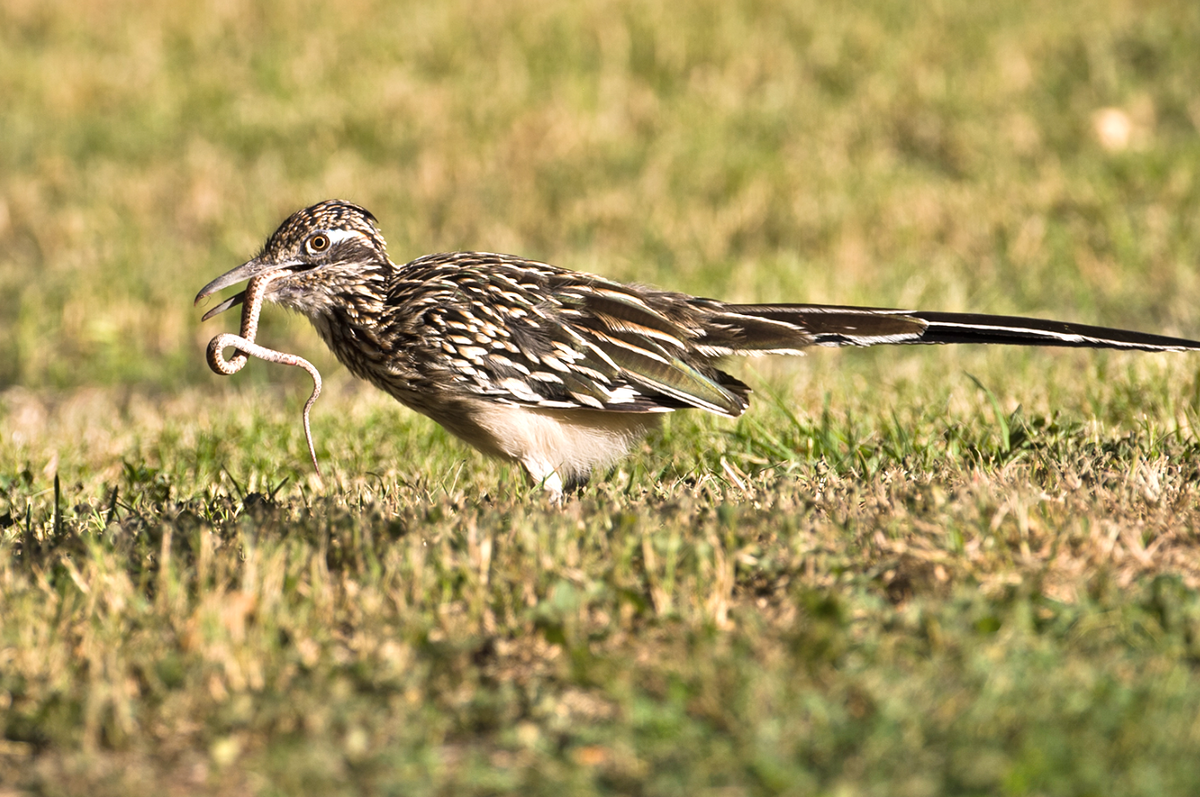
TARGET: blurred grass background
(949,157)
(877,582)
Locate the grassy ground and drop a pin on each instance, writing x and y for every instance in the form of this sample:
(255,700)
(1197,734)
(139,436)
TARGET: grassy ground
(885,579)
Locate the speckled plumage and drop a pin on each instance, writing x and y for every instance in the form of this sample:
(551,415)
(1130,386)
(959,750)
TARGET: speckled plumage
(559,370)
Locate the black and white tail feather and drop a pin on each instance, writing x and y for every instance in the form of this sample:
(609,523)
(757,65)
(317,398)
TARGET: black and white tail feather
(562,371)
(831,325)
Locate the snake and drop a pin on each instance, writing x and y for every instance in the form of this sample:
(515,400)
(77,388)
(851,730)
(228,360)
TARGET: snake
(246,348)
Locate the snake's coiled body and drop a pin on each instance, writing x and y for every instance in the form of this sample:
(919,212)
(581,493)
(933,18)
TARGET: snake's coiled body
(247,348)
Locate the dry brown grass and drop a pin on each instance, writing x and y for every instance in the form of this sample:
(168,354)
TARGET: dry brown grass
(875,583)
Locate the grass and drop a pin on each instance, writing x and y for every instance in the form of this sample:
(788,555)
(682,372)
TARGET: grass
(944,571)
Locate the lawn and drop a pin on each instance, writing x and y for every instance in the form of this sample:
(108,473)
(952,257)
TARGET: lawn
(920,571)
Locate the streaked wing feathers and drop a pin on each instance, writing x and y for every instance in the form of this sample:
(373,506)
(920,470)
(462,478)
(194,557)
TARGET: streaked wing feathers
(564,340)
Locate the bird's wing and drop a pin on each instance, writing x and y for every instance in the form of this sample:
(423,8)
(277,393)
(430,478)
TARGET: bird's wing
(535,335)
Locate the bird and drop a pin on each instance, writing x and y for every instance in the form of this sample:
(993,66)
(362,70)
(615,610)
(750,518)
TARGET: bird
(558,370)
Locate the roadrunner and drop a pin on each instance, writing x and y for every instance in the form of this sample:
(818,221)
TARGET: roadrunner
(558,370)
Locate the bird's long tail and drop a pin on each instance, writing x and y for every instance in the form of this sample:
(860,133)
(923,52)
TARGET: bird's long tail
(789,328)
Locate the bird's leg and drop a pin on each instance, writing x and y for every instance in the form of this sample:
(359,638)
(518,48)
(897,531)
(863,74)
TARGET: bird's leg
(545,476)
(246,348)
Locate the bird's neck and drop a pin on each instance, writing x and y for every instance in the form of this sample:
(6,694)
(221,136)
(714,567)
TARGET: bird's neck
(347,311)
(352,297)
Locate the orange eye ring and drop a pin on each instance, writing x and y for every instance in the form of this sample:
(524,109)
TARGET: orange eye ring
(317,243)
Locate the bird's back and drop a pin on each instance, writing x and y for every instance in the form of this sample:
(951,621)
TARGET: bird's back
(531,334)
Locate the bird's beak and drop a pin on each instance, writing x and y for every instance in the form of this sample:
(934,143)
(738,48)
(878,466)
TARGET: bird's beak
(242,273)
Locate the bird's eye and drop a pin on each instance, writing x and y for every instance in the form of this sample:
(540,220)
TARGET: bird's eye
(317,244)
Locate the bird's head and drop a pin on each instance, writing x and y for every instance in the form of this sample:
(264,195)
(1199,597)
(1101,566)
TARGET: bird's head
(330,252)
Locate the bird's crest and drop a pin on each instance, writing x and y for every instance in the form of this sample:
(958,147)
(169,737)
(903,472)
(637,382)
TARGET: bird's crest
(334,215)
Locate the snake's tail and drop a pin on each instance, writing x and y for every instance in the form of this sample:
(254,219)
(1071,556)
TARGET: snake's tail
(312,451)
